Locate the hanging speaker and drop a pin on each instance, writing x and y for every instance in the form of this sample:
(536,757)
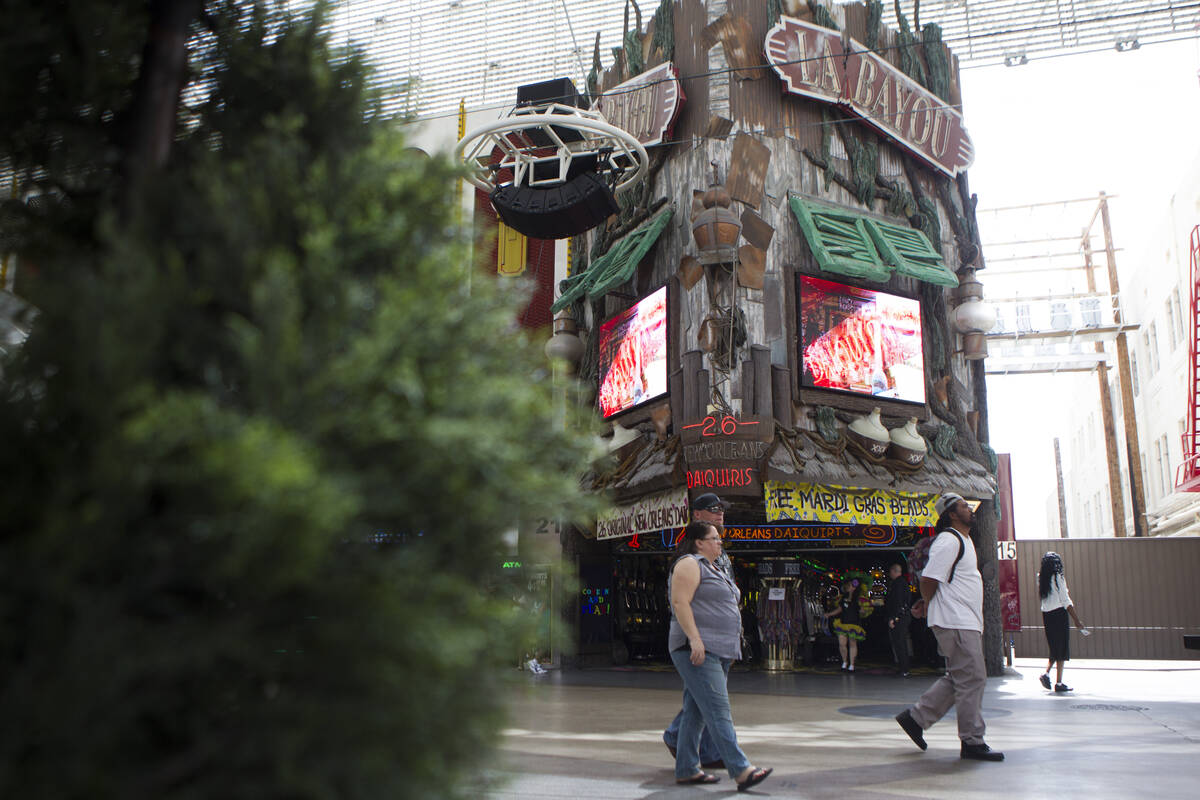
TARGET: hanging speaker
(569,209)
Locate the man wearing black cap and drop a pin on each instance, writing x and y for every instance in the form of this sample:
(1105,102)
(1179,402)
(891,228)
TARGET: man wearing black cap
(709,508)
(952,595)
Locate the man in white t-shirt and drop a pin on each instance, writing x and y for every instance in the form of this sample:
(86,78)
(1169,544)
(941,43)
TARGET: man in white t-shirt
(952,598)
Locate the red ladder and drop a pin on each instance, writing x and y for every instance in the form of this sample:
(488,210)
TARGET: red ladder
(1187,477)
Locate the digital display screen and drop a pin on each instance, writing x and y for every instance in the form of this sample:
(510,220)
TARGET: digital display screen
(633,355)
(860,341)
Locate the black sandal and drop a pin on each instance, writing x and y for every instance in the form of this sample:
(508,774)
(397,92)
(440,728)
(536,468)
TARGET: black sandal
(703,777)
(756,777)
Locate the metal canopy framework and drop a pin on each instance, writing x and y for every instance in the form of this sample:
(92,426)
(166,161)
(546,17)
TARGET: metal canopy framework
(1013,32)
(1056,325)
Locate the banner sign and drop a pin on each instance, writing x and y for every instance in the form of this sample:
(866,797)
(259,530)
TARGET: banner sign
(833,535)
(846,505)
(645,105)
(1006,549)
(727,454)
(654,513)
(817,62)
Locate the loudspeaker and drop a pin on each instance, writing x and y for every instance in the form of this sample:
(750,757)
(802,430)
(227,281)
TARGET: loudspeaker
(558,90)
(576,206)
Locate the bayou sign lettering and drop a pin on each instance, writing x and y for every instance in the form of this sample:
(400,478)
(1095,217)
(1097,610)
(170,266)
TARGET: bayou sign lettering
(845,505)
(645,105)
(814,62)
(654,513)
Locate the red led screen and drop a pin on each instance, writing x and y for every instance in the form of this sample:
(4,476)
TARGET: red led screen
(860,341)
(633,355)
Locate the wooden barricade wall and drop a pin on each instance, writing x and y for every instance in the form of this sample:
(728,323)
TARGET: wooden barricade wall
(1139,596)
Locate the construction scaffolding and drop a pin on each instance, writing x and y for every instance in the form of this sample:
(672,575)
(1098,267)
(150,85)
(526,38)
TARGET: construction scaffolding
(1064,324)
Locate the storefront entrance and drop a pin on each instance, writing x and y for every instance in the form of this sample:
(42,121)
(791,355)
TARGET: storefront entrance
(786,589)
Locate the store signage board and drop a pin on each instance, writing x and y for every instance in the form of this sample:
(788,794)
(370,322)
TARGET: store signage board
(645,105)
(817,62)
(726,454)
(823,535)
(842,505)
(654,513)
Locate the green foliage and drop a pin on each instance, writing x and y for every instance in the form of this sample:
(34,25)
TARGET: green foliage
(235,381)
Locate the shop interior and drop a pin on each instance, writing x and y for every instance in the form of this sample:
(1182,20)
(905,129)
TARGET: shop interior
(784,597)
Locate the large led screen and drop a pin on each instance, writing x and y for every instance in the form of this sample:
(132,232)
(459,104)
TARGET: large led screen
(633,355)
(860,341)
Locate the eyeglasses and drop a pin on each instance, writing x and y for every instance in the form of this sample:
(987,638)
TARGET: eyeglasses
(715,509)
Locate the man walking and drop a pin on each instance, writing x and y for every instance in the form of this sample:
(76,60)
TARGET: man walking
(952,595)
(708,508)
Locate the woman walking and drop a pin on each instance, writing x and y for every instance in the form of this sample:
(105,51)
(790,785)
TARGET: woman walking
(1056,605)
(705,639)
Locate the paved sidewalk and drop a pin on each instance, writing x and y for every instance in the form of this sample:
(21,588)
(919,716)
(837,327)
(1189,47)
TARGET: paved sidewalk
(1129,730)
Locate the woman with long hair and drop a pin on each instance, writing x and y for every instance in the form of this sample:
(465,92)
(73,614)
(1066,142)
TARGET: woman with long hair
(705,638)
(1056,605)
(848,625)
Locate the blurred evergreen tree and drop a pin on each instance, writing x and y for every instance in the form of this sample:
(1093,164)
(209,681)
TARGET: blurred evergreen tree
(256,347)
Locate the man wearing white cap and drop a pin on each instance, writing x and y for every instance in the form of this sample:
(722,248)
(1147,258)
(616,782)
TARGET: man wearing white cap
(952,597)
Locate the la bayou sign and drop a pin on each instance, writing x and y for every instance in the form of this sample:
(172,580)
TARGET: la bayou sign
(814,62)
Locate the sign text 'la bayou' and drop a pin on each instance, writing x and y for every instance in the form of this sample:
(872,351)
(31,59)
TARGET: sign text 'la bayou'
(814,62)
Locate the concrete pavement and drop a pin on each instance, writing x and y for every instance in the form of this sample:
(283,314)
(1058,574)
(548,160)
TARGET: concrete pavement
(1129,730)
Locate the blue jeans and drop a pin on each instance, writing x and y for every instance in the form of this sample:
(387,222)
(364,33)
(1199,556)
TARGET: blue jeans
(706,705)
(708,750)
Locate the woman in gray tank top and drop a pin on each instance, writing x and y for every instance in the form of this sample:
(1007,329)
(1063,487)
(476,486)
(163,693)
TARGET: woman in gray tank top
(704,639)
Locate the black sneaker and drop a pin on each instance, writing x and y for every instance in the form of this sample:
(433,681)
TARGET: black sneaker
(1061,687)
(911,727)
(1045,679)
(980,752)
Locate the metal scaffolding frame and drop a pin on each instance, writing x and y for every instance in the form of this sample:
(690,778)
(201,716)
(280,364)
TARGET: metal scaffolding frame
(1013,32)
(1059,343)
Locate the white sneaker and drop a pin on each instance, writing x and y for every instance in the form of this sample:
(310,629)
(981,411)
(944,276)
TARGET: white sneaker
(533,666)
(851,668)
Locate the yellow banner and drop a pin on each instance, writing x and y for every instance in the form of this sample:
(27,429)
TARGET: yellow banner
(847,505)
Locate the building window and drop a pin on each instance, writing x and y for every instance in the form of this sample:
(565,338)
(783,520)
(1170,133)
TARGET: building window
(1181,327)
(1172,328)
(1133,371)
(1168,477)
(1154,346)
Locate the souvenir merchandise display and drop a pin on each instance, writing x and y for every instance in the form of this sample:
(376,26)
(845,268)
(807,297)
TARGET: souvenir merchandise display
(643,612)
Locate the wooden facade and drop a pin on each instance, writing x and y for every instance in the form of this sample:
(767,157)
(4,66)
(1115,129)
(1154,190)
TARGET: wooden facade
(767,145)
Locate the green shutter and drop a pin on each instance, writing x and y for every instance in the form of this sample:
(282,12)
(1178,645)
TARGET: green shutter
(839,241)
(616,266)
(910,253)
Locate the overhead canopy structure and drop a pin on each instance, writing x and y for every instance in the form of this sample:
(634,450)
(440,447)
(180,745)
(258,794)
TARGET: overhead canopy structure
(1013,32)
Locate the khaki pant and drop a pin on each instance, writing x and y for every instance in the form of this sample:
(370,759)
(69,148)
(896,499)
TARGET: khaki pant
(962,688)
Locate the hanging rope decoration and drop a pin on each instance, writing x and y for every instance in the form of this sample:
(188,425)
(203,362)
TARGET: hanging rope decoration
(731,321)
